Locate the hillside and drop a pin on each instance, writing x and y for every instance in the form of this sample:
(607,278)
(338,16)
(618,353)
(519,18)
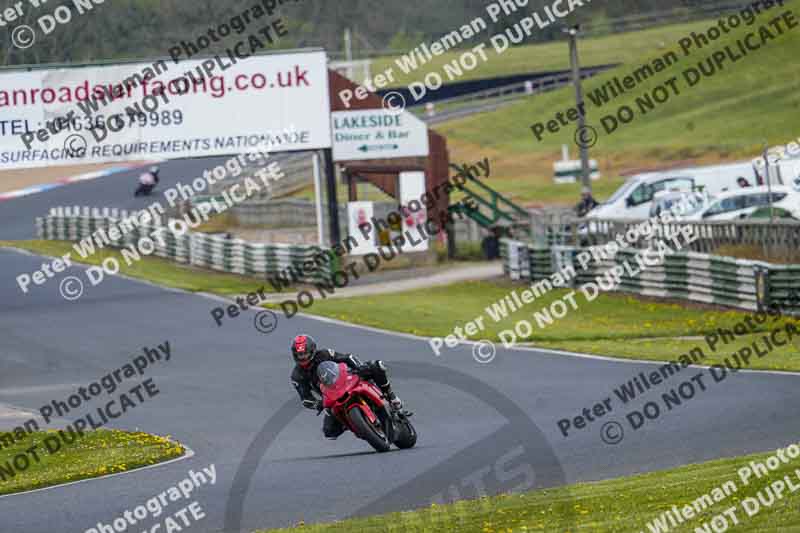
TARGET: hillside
(149,28)
(619,48)
(726,116)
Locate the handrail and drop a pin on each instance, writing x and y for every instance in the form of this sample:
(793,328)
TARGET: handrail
(519,210)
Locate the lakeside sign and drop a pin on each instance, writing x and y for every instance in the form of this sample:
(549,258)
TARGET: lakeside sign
(377,134)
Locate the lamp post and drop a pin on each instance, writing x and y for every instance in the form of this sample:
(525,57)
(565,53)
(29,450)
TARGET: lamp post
(769,195)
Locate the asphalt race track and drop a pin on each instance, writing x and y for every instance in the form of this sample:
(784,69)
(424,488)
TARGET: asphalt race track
(225,394)
(115,190)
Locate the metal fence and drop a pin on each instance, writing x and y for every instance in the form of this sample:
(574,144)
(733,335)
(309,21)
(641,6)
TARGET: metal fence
(693,276)
(781,237)
(294,213)
(640,21)
(297,169)
(309,264)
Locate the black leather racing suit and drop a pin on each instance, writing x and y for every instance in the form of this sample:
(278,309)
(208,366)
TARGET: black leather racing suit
(586,204)
(305,381)
(146,189)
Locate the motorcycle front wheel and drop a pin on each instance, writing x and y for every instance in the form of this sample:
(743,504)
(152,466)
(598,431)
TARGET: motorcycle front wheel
(367,431)
(407,436)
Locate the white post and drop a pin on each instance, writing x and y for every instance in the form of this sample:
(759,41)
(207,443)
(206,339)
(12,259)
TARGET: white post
(348,50)
(318,200)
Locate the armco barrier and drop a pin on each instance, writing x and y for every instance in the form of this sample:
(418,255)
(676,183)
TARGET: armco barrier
(691,276)
(194,248)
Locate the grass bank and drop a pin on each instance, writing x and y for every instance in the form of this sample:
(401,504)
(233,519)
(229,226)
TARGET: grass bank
(620,48)
(616,325)
(97,453)
(617,505)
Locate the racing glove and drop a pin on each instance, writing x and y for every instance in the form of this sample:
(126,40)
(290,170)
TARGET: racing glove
(315,405)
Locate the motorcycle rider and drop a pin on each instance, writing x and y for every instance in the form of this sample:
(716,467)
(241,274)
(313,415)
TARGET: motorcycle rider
(304,378)
(147,181)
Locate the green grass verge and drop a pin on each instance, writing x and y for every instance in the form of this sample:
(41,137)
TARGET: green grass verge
(606,326)
(155,269)
(97,453)
(624,504)
(660,349)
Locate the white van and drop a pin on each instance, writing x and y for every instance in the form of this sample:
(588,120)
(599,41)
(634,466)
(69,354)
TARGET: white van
(784,163)
(635,198)
(789,173)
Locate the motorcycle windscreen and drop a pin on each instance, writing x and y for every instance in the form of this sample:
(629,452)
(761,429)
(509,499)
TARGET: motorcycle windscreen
(334,381)
(328,373)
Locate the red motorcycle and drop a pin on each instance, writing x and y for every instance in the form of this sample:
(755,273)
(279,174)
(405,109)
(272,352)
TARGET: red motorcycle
(361,407)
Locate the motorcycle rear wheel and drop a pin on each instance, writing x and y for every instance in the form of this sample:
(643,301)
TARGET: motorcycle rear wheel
(367,432)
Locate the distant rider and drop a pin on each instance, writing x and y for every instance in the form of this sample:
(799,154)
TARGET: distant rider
(148,181)
(304,378)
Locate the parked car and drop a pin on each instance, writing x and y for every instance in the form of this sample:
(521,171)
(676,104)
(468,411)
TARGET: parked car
(682,203)
(778,212)
(741,203)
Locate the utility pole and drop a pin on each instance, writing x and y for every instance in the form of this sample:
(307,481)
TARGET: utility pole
(333,201)
(581,132)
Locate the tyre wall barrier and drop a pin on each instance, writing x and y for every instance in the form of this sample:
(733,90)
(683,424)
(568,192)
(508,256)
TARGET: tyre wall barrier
(105,226)
(698,277)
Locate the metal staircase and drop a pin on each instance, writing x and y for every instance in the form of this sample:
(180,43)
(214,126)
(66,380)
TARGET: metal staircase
(493,208)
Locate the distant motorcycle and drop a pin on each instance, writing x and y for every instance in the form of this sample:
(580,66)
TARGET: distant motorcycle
(362,408)
(147,182)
